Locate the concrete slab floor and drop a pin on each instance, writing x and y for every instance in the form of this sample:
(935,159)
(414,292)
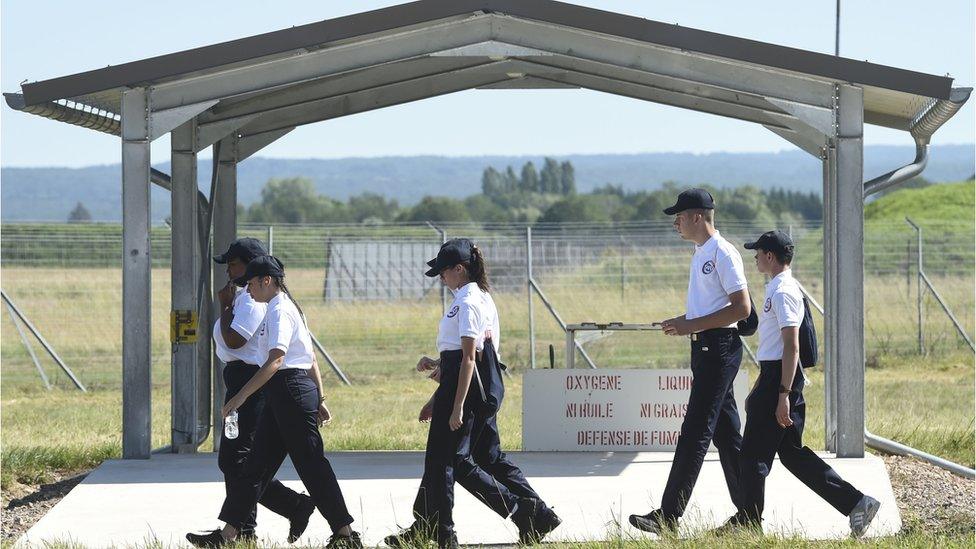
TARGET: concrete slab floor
(133,503)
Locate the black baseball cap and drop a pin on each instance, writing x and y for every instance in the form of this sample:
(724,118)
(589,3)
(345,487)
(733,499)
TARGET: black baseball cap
(452,252)
(772,241)
(245,249)
(264,265)
(692,199)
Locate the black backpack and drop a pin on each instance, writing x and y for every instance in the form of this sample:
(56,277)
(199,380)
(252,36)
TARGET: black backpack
(748,326)
(808,338)
(488,377)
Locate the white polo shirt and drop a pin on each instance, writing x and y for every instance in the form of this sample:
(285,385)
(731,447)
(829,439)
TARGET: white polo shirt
(284,329)
(248,315)
(472,313)
(782,308)
(716,272)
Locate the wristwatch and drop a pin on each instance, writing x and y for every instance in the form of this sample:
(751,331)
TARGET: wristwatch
(783,389)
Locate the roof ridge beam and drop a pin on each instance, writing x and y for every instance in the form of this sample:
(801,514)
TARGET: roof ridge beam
(313,64)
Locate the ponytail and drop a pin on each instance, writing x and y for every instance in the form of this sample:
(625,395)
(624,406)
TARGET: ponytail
(477,269)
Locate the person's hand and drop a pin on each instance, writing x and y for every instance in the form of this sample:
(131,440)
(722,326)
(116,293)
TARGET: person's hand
(487,334)
(427,363)
(455,421)
(325,416)
(676,326)
(426,412)
(436,374)
(783,411)
(233,404)
(226,295)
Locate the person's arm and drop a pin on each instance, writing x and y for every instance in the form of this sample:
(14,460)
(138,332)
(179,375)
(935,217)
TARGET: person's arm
(791,357)
(464,381)
(325,415)
(427,411)
(738,308)
(226,296)
(276,357)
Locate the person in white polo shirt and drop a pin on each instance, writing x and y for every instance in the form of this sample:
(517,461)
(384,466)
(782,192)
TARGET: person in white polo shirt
(718,298)
(776,410)
(240,351)
(294,410)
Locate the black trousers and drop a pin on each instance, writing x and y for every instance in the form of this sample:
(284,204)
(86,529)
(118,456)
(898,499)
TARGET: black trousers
(233,452)
(471,456)
(288,426)
(764,438)
(712,416)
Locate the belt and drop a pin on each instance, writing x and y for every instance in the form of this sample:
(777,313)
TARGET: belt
(239,363)
(713,332)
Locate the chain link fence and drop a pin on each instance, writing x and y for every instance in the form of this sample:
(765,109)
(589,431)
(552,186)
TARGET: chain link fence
(367,300)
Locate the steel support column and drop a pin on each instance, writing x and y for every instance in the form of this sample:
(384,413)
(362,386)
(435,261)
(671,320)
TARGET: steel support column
(829,282)
(224,232)
(136,277)
(845,313)
(185,282)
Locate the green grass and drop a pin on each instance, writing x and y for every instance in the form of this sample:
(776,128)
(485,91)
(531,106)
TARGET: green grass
(946,202)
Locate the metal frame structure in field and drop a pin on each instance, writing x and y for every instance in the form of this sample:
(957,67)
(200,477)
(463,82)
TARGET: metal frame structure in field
(242,95)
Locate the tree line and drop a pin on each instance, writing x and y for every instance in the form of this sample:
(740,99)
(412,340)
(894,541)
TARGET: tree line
(527,195)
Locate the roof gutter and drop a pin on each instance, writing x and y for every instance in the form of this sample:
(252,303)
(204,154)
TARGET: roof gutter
(925,124)
(98,120)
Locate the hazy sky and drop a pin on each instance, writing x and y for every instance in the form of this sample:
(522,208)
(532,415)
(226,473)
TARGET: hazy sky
(43,39)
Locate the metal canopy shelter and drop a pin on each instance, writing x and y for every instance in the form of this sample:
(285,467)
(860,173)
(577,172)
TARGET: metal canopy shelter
(242,95)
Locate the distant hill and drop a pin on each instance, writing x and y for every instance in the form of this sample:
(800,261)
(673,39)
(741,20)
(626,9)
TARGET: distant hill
(949,202)
(49,194)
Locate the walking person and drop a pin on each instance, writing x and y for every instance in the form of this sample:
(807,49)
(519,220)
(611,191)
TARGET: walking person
(236,344)
(294,410)
(776,410)
(463,442)
(717,299)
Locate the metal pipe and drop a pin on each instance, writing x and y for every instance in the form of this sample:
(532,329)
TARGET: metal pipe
(27,345)
(328,358)
(926,122)
(559,320)
(528,288)
(47,346)
(898,449)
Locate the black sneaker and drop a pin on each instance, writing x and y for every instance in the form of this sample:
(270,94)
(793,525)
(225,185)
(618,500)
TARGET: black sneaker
(212,539)
(446,538)
(654,522)
(338,541)
(534,520)
(415,535)
(738,522)
(298,523)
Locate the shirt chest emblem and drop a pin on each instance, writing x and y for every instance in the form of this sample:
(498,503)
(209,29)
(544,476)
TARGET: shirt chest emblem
(453,312)
(708,267)
(767,305)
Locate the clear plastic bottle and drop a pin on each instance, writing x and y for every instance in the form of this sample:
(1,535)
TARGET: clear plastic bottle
(230,425)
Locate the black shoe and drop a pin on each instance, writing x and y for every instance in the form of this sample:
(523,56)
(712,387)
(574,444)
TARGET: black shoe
(534,520)
(351,541)
(298,523)
(415,535)
(738,522)
(211,539)
(446,538)
(654,522)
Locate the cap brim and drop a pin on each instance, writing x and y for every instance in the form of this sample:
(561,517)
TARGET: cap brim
(240,281)
(751,245)
(672,210)
(222,258)
(433,272)
(432,262)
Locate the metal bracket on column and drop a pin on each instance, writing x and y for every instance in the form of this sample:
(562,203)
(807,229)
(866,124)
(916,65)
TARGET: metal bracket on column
(165,121)
(209,133)
(806,139)
(811,129)
(250,144)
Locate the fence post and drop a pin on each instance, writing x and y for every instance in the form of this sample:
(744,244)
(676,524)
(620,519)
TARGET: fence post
(270,239)
(528,292)
(918,275)
(623,275)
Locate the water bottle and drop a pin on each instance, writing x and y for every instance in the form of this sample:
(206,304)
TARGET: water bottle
(230,425)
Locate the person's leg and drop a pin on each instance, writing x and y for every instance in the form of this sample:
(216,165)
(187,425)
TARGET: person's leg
(762,438)
(486,450)
(727,437)
(807,466)
(295,403)
(260,467)
(712,379)
(475,479)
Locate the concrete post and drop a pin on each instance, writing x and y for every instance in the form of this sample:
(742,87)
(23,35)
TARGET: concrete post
(136,277)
